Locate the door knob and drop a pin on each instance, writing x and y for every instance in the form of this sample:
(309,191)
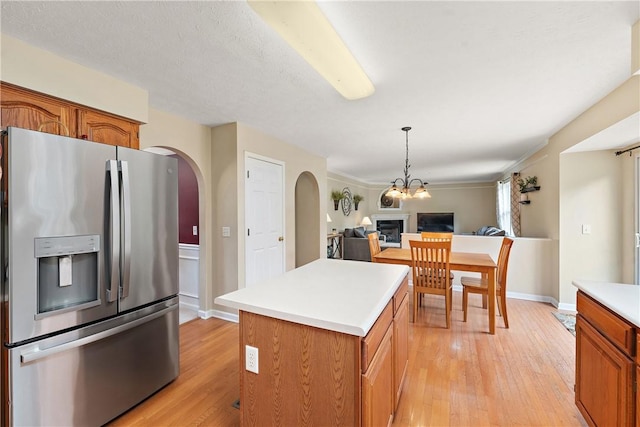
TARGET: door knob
(280,239)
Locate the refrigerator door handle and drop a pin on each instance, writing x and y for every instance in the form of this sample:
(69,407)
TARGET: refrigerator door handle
(32,356)
(113,235)
(126,202)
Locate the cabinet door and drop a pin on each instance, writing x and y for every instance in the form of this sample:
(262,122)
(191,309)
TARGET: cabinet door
(400,347)
(604,379)
(377,386)
(106,129)
(30,110)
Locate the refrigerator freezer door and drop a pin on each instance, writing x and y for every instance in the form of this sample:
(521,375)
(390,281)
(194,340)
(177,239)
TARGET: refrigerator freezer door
(56,190)
(89,376)
(150,227)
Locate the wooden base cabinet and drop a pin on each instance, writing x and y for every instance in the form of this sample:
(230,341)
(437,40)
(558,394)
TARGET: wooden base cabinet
(605,371)
(377,383)
(312,376)
(32,110)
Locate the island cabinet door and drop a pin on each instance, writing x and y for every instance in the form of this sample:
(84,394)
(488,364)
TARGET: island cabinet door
(377,386)
(604,379)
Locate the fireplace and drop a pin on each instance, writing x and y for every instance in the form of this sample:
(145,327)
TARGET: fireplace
(392,229)
(391,226)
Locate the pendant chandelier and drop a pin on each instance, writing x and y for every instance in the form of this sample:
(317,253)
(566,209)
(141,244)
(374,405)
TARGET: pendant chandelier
(401,187)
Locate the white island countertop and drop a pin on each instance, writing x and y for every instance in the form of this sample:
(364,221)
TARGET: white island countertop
(622,299)
(337,295)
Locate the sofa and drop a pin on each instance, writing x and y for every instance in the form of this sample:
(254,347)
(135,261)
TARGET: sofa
(489,230)
(355,244)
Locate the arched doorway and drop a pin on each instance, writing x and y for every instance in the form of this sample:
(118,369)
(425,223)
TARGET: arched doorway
(189,207)
(307,208)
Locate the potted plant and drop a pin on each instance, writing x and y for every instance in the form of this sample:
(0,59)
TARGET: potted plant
(528,183)
(336,196)
(357,199)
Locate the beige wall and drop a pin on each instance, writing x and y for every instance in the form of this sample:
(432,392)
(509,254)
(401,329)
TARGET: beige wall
(225,198)
(629,212)
(297,161)
(338,220)
(231,143)
(42,71)
(193,142)
(542,217)
(591,193)
(473,205)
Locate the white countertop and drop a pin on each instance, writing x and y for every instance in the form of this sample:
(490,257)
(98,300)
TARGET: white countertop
(338,295)
(620,298)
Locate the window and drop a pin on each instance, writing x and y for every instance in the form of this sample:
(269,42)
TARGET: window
(504,206)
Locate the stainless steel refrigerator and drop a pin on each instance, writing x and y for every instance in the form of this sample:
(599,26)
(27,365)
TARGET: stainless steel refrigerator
(89,278)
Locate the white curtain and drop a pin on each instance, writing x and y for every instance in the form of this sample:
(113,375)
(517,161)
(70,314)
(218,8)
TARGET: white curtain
(504,206)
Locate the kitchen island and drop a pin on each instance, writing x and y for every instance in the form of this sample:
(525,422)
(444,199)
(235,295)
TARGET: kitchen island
(607,359)
(329,341)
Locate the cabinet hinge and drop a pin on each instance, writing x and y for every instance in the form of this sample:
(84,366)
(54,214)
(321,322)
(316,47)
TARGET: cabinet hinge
(248,232)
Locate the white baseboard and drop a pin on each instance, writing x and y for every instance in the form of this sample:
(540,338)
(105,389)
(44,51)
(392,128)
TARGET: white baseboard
(567,307)
(230,317)
(526,297)
(189,301)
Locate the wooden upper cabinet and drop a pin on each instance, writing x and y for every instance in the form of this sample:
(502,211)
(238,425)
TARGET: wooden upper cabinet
(107,129)
(30,110)
(36,111)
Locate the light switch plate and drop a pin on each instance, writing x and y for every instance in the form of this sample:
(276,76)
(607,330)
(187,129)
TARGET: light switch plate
(586,228)
(226,231)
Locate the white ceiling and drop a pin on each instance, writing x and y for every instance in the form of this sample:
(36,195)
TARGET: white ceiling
(483,84)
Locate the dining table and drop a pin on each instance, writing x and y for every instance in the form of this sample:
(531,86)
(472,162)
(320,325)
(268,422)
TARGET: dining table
(460,261)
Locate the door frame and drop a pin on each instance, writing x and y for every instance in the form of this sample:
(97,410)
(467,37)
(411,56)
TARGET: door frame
(259,157)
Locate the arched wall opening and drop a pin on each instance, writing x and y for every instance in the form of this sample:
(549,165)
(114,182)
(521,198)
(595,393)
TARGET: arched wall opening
(307,217)
(190,213)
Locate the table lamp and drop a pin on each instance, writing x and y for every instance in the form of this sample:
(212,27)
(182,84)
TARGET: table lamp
(365,222)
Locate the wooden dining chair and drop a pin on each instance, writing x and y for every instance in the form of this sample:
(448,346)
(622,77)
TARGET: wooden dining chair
(431,236)
(431,274)
(477,285)
(374,245)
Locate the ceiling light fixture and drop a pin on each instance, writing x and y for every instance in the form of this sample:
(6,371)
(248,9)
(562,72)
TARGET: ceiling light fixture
(404,191)
(303,25)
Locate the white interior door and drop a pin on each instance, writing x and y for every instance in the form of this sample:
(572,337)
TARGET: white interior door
(264,219)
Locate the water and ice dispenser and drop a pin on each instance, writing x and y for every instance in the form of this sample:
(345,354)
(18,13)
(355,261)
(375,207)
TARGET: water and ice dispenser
(68,273)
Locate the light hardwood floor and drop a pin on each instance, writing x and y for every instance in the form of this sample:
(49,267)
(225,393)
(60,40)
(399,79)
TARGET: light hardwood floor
(463,376)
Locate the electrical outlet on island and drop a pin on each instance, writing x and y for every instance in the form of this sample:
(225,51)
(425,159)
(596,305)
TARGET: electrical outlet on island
(251,359)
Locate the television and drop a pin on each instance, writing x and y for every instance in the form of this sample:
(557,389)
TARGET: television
(435,221)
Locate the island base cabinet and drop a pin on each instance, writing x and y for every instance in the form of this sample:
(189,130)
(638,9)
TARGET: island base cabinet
(377,384)
(604,379)
(306,376)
